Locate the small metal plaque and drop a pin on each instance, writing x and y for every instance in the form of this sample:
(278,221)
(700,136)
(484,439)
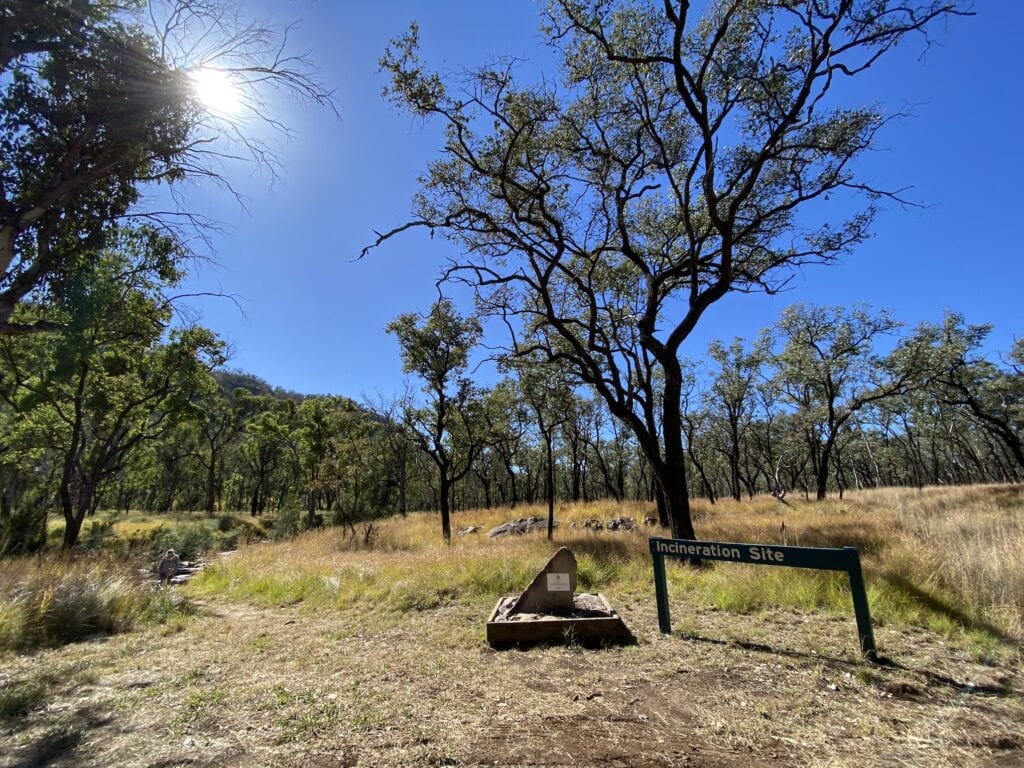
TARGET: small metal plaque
(559,582)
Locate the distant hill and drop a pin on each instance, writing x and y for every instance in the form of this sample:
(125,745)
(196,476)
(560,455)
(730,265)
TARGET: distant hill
(230,380)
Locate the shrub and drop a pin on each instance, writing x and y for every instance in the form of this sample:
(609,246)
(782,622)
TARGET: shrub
(287,524)
(23,531)
(190,541)
(97,533)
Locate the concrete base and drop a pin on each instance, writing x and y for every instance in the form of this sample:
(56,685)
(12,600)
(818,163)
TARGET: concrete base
(592,622)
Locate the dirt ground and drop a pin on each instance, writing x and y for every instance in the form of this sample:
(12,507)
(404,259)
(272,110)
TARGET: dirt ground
(245,686)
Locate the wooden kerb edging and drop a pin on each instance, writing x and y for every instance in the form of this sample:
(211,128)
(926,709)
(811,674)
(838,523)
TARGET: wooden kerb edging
(821,558)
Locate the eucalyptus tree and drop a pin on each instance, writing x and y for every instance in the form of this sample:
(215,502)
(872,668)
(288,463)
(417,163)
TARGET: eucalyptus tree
(697,426)
(395,434)
(109,382)
(313,441)
(508,419)
(100,100)
(732,398)
(674,159)
(266,441)
(607,441)
(354,465)
(575,442)
(448,427)
(549,395)
(765,434)
(222,423)
(948,359)
(827,372)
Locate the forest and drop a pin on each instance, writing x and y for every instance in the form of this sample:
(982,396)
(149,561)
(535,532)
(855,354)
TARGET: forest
(118,415)
(593,227)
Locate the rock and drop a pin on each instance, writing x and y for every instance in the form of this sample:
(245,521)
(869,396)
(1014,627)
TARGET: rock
(520,526)
(186,571)
(651,520)
(551,590)
(468,529)
(621,524)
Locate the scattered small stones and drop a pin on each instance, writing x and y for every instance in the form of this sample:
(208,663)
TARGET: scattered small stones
(186,571)
(621,524)
(520,526)
(615,524)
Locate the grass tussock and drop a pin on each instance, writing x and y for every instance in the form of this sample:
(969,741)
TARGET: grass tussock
(18,698)
(951,559)
(52,602)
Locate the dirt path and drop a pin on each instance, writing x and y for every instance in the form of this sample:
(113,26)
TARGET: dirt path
(245,686)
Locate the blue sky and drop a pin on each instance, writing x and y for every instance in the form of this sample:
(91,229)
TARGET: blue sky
(314,318)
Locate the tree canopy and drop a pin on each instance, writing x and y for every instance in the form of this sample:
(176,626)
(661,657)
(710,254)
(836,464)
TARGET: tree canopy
(98,101)
(675,159)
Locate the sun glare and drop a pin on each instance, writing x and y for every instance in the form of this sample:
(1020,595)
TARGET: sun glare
(216,90)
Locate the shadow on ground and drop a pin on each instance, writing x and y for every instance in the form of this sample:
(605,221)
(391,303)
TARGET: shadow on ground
(943,608)
(853,666)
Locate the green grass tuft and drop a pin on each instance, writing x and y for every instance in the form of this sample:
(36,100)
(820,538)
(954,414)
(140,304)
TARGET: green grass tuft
(22,697)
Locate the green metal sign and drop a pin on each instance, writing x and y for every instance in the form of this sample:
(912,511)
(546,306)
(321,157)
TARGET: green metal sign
(825,559)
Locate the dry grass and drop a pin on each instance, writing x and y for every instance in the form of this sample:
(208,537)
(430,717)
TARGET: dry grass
(324,651)
(949,559)
(46,602)
(304,688)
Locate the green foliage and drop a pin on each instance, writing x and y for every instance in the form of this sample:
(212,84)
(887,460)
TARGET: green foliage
(435,347)
(677,155)
(450,427)
(97,534)
(23,531)
(93,394)
(77,152)
(190,541)
(287,523)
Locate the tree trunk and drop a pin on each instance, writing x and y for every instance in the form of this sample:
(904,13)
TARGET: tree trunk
(444,497)
(734,460)
(75,512)
(671,473)
(211,484)
(549,483)
(821,481)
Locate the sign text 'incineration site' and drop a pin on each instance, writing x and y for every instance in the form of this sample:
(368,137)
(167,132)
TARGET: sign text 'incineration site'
(744,553)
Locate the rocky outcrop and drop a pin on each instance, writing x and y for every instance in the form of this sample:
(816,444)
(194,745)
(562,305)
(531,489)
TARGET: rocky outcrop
(520,526)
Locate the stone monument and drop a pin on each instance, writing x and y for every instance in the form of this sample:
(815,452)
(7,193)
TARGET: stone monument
(550,611)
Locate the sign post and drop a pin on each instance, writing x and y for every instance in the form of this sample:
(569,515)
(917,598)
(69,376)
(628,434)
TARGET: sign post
(825,559)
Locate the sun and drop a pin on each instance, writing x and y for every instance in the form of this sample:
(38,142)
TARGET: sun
(216,90)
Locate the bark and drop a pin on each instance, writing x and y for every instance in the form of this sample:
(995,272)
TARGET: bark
(444,498)
(211,484)
(549,484)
